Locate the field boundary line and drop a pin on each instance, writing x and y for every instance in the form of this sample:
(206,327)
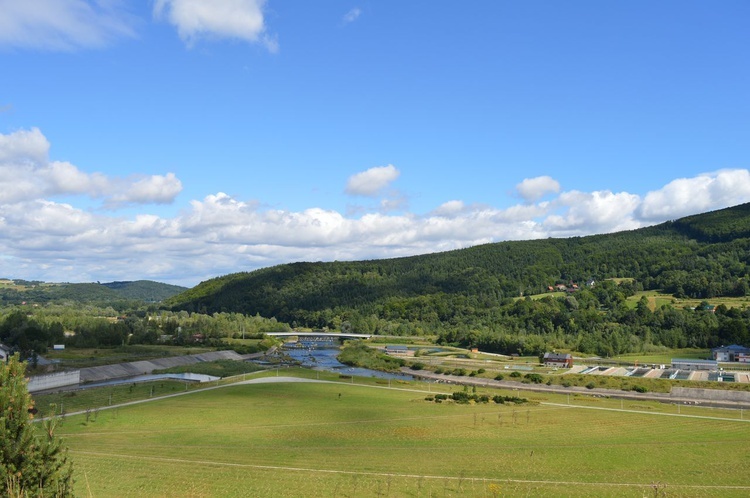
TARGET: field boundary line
(641,412)
(402,475)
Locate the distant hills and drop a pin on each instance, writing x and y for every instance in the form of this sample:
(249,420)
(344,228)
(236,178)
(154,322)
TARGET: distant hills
(701,256)
(16,291)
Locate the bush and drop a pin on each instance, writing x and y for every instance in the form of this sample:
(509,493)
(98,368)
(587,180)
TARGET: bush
(481,371)
(508,399)
(515,375)
(640,389)
(499,377)
(473,373)
(566,383)
(417,366)
(590,385)
(534,377)
(459,371)
(439,370)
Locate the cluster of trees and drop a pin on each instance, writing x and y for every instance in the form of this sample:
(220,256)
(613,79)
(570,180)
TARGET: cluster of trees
(34,330)
(599,321)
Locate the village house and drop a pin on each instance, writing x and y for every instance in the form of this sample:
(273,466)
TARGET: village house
(563,360)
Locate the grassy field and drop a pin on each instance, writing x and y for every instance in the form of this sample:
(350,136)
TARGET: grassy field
(308,439)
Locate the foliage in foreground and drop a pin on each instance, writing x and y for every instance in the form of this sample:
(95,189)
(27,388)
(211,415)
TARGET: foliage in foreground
(31,464)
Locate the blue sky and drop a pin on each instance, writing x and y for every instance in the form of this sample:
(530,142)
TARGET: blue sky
(175,140)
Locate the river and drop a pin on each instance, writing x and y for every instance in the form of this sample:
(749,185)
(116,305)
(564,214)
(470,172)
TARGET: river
(322,356)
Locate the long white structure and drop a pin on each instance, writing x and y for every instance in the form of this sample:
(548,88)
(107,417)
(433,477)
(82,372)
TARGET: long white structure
(319,334)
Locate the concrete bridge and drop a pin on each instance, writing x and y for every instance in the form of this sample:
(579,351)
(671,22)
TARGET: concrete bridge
(321,335)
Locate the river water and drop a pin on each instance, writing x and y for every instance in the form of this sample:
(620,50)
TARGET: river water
(322,356)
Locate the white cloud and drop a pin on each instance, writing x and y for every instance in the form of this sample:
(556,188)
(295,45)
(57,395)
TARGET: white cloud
(26,173)
(232,19)
(371,182)
(596,212)
(352,15)
(450,208)
(155,189)
(706,192)
(48,240)
(62,25)
(533,189)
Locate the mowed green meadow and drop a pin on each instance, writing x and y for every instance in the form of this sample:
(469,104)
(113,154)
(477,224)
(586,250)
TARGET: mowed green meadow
(327,439)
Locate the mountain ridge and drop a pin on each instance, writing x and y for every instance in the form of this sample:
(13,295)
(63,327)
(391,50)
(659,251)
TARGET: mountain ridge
(701,256)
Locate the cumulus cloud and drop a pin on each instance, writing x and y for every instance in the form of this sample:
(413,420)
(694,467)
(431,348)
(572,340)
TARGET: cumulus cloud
(533,189)
(371,182)
(62,25)
(232,19)
(352,15)
(220,234)
(26,173)
(686,196)
(450,208)
(595,212)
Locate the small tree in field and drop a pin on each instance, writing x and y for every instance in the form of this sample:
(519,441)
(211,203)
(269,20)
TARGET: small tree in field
(32,464)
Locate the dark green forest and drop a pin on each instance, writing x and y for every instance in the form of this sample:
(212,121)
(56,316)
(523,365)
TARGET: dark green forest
(479,296)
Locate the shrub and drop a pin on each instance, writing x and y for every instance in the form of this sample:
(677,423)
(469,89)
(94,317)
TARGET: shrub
(499,377)
(534,377)
(417,366)
(481,371)
(459,371)
(590,385)
(515,375)
(640,389)
(566,383)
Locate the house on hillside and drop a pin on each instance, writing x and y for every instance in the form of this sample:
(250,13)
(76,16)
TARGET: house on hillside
(563,360)
(734,352)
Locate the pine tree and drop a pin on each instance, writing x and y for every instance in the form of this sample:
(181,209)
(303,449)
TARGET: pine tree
(33,462)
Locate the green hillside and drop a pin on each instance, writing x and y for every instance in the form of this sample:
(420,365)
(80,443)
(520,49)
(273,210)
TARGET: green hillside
(19,291)
(144,290)
(470,293)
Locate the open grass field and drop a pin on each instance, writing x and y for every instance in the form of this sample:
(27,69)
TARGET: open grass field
(310,439)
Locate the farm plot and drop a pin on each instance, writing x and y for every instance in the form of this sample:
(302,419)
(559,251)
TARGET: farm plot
(348,440)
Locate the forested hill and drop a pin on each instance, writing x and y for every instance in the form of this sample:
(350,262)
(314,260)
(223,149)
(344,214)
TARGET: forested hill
(698,256)
(146,291)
